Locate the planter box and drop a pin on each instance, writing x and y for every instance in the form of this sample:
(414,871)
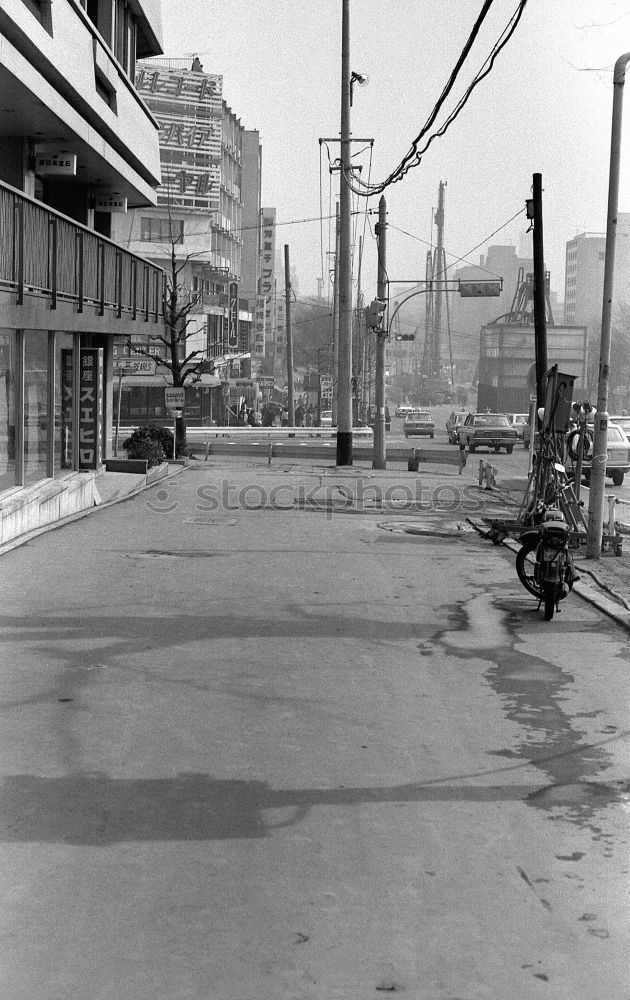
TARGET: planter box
(134,466)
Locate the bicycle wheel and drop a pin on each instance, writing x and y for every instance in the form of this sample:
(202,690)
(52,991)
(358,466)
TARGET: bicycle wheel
(525,569)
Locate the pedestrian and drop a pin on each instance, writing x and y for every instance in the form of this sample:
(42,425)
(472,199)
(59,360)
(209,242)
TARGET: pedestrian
(299,416)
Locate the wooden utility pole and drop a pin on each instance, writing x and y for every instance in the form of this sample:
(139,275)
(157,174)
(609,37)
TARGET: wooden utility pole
(287,287)
(540,318)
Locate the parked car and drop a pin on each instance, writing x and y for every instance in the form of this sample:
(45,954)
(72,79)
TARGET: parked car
(622,421)
(403,410)
(325,418)
(518,420)
(419,422)
(453,423)
(487,430)
(618,454)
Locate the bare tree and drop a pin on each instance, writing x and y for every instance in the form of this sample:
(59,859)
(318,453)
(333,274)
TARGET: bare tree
(184,363)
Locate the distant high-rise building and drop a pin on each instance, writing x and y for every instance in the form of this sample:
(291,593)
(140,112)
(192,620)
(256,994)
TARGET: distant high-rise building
(584,274)
(200,207)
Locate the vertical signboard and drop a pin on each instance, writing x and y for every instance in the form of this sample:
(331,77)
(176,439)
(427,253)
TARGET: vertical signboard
(67,355)
(268,269)
(233,315)
(260,327)
(90,408)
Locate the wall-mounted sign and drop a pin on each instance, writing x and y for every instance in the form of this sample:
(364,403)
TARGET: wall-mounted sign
(233,315)
(134,364)
(55,162)
(113,203)
(91,408)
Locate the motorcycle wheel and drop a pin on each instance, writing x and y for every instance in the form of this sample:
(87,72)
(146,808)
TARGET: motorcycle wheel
(525,569)
(549,600)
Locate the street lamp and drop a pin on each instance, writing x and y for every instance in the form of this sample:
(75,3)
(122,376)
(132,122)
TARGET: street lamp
(600,437)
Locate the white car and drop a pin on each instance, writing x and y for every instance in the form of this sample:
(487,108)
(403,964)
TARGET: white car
(325,419)
(403,410)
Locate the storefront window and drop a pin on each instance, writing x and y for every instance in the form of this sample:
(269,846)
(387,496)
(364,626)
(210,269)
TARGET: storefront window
(8,375)
(35,405)
(63,403)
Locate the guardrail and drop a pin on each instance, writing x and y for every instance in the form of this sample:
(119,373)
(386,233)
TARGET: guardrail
(252,434)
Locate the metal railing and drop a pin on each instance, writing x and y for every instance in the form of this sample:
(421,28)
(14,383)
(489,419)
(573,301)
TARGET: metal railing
(46,253)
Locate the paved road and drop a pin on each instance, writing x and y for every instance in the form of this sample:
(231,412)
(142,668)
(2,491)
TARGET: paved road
(251,752)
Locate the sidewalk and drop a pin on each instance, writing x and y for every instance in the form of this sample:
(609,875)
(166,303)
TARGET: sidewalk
(259,741)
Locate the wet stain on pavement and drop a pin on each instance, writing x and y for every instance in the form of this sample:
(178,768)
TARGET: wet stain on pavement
(532,692)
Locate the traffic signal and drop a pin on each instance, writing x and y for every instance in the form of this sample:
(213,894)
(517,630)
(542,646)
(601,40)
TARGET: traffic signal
(374,314)
(480,289)
(405,336)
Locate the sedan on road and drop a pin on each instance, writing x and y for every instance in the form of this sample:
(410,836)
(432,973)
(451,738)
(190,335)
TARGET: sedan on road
(419,422)
(618,455)
(487,430)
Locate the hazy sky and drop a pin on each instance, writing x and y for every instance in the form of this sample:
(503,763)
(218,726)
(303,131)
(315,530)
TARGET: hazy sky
(546,108)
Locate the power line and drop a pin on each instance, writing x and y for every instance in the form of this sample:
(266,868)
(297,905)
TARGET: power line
(415,153)
(464,257)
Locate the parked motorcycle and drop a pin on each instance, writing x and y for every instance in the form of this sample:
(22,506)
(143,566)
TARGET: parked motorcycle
(551,576)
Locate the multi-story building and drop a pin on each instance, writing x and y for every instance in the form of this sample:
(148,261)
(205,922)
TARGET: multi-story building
(584,274)
(78,146)
(196,230)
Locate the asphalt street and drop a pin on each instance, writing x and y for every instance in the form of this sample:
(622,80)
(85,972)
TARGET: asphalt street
(283,733)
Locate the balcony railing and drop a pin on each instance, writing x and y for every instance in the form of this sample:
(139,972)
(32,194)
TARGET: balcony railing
(46,253)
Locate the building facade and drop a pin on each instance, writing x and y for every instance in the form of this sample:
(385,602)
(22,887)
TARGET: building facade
(78,147)
(584,274)
(210,171)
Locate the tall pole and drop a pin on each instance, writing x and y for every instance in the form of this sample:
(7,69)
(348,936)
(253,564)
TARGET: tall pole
(287,292)
(436,354)
(600,437)
(344,385)
(357,349)
(540,320)
(379,459)
(335,336)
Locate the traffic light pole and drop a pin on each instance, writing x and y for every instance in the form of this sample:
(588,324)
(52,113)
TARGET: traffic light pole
(379,459)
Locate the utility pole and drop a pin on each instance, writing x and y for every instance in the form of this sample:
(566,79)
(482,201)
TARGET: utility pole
(379,460)
(357,348)
(287,291)
(436,353)
(335,336)
(540,321)
(600,437)
(344,384)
